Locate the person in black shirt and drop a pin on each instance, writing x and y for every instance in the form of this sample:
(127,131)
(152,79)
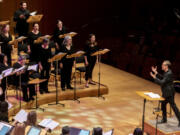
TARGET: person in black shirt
(20,17)
(4,111)
(44,65)
(3,66)
(90,61)
(66,64)
(24,79)
(167,87)
(5,37)
(60,30)
(33,48)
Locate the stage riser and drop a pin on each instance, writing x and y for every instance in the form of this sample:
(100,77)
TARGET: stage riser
(151,130)
(66,95)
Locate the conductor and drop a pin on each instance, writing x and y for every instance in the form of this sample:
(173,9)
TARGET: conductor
(168,91)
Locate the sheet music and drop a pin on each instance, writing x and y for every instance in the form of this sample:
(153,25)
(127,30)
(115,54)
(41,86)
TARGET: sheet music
(84,132)
(21,116)
(9,105)
(73,33)
(78,52)
(108,133)
(49,123)
(33,67)
(7,72)
(33,13)
(152,95)
(61,53)
(20,69)
(34,131)
(4,128)
(21,38)
(1,77)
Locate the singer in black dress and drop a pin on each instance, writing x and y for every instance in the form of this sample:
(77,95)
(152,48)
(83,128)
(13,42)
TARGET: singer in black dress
(33,48)
(60,30)
(5,37)
(3,66)
(24,80)
(44,65)
(90,61)
(66,64)
(20,17)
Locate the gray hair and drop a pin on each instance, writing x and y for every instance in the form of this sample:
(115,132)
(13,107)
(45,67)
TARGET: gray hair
(167,62)
(66,39)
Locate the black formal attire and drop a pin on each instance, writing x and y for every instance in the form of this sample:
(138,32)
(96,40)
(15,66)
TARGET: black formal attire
(67,68)
(24,83)
(56,38)
(3,81)
(5,47)
(168,92)
(33,46)
(4,117)
(22,27)
(90,49)
(44,56)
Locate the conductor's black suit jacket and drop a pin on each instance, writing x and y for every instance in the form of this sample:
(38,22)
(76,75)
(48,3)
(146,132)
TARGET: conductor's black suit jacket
(166,83)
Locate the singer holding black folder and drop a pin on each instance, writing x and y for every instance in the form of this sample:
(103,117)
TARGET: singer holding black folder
(24,80)
(33,48)
(5,37)
(90,61)
(60,30)
(3,66)
(44,65)
(66,64)
(20,17)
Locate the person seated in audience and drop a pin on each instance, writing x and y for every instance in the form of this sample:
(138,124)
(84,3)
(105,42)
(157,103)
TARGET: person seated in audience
(31,119)
(138,131)
(4,111)
(19,129)
(65,130)
(97,131)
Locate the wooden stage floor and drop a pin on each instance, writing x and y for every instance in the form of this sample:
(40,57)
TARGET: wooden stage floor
(122,109)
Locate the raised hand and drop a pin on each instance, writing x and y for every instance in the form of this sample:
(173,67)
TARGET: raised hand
(154,69)
(152,75)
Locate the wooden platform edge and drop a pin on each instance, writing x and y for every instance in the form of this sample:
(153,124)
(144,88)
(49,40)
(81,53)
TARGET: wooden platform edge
(65,95)
(150,129)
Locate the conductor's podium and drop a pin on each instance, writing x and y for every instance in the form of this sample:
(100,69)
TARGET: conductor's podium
(149,127)
(169,128)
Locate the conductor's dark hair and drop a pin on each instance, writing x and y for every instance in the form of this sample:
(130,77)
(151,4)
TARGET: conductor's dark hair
(138,131)
(22,2)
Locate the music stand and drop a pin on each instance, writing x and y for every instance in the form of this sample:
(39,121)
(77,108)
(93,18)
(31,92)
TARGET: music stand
(99,53)
(16,41)
(75,55)
(20,87)
(35,18)
(4,22)
(5,74)
(40,39)
(56,58)
(146,97)
(71,34)
(36,82)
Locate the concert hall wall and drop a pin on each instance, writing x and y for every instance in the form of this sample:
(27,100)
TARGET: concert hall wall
(118,25)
